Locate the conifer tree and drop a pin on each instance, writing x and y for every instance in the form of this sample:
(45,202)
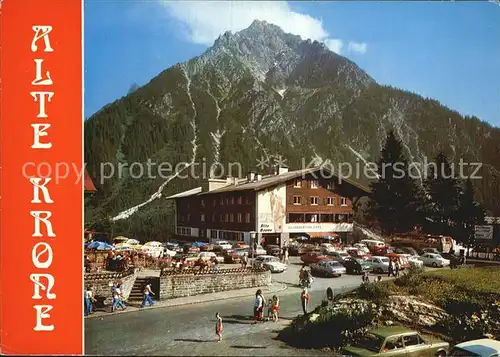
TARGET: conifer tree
(470,213)
(394,198)
(443,190)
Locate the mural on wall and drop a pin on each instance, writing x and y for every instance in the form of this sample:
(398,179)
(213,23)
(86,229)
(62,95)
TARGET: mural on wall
(271,210)
(278,209)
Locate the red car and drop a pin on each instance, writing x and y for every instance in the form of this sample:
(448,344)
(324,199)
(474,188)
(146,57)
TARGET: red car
(313,257)
(356,253)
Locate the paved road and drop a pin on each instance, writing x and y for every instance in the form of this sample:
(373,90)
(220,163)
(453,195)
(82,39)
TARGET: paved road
(189,330)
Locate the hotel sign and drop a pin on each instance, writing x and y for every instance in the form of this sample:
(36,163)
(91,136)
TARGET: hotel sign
(266,228)
(318,227)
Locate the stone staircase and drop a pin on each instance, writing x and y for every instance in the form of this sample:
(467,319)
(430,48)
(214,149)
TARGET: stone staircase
(136,292)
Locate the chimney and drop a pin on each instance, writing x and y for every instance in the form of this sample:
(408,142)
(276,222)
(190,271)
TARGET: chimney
(282,170)
(251,176)
(259,177)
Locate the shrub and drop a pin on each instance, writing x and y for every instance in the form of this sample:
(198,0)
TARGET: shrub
(332,327)
(377,292)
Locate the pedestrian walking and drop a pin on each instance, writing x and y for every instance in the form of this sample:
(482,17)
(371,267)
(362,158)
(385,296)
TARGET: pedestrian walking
(396,268)
(286,256)
(305,297)
(117,299)
(365,278)
(244,260)
(258,306)
(275,308)
(390,270)
(218,326)
(147,295)
(89,301)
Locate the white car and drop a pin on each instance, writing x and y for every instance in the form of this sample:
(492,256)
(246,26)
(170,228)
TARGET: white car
(362,247)
(169,253)
(414,261)
(260,251)
(206,256)
(222,244)
(378,265)
(271,263)
(435,260)
(484,347)
(340,255)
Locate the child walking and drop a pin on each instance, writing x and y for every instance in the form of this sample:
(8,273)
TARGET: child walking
(218,326)
(275,308)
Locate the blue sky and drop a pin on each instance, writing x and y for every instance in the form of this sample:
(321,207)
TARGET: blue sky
(449,51)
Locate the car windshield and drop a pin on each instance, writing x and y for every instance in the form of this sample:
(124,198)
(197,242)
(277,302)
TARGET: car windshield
(335,264)
(458,352)
(272,259)
(384,260)
(371,342)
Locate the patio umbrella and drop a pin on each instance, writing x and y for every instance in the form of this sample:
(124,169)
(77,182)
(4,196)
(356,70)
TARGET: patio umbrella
(105,246)
(153,244)
(123,246)
(197,244)
(132,241)
(94,245)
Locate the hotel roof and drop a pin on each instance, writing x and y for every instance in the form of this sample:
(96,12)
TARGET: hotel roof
(270,181)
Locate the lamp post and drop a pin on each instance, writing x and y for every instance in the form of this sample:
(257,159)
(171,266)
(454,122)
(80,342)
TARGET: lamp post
(253,244)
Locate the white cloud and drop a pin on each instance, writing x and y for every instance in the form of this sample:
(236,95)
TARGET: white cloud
(207,20)
(357,47)
(334,44)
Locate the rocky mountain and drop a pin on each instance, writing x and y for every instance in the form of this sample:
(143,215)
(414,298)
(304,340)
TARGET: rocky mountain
(265,93)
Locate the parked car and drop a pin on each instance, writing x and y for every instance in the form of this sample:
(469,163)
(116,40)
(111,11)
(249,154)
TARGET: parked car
(169,253)
(374,245)
(231,257)
(406,250)
(259,251)
(415,261)
(397,341)
(224,244)
(430,250)
(402,259)
(477,348)
(328,268)
(209,256)
(435,260)
(355,265)
(188,248)
(207,247)
(338,255)
(358,253)
(313,257)
(452,258)
(362,247)
(378,265)
(240,245)
(241,251)
(271,263)
(273,250)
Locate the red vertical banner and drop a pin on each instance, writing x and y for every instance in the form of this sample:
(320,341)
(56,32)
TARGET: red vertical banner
(41,249)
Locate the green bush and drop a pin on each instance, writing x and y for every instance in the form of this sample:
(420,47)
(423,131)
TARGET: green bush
(376,292)
(333,327)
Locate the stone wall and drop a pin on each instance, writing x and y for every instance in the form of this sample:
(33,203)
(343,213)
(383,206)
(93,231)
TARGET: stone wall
(176,284)
(99,283)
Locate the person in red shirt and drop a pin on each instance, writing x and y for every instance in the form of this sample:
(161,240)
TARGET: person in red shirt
(305,297)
